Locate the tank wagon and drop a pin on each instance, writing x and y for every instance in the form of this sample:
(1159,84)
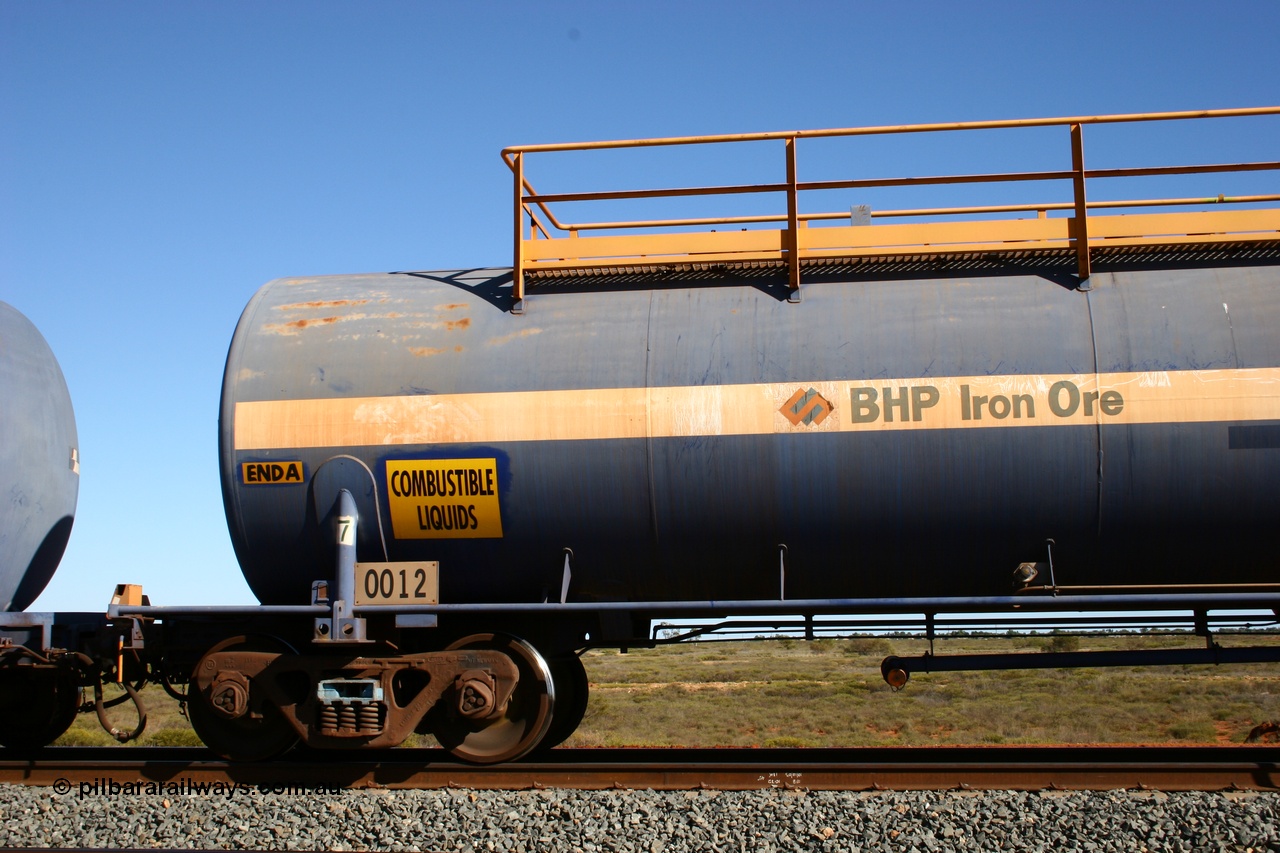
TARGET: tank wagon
(39,457)
(442,486)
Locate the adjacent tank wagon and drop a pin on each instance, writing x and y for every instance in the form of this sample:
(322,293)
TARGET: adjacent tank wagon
(40,478)
(39,461)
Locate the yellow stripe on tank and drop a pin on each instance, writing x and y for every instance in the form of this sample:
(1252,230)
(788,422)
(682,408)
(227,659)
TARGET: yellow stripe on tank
(953,402)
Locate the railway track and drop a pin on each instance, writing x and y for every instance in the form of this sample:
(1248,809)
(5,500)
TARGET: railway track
(180,770)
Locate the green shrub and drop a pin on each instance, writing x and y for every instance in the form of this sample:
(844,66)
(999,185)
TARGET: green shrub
(878,646)
(1061,643)
(1197,730)
(83,735)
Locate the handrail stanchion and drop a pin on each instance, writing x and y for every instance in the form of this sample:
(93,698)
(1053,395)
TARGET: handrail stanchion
(517,266)
(793,223)
(1081,230)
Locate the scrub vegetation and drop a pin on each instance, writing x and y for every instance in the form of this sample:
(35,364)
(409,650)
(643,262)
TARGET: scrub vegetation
(828,692)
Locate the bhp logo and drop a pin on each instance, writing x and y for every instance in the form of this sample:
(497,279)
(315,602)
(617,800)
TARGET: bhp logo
(807,407)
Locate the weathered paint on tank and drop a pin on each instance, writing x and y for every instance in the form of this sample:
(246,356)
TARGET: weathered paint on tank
(39,461)
(672,438)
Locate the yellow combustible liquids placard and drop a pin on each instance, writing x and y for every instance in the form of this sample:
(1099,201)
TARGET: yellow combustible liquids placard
(444,498)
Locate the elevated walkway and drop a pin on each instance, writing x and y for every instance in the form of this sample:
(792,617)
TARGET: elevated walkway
(1067,230)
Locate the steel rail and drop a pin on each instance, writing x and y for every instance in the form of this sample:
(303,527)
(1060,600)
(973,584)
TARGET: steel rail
(88,772)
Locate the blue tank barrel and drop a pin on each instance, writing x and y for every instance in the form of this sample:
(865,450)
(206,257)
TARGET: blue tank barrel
(917,435)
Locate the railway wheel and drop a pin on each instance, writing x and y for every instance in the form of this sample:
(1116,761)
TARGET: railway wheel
(36,705)
(516,728)
(261,732)
(570,679)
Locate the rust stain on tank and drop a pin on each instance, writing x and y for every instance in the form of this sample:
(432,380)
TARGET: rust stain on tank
(523,333)
(302,324)
(335,303)
(452,306)
(453,325)
(292,328)
(423,352)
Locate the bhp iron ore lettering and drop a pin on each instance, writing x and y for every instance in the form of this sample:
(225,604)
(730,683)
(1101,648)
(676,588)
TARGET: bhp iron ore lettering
(1063,399)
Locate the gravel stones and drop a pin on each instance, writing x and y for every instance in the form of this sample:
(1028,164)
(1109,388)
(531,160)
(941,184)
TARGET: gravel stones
(641,821)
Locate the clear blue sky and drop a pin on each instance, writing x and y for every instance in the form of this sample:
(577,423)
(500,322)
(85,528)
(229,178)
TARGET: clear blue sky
(160,161)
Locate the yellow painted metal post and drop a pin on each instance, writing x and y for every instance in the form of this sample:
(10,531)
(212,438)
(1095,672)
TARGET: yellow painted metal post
(1081,230)
(517,265)
(793,220)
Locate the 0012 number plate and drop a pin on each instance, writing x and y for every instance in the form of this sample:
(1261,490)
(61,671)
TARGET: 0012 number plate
(398,583)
